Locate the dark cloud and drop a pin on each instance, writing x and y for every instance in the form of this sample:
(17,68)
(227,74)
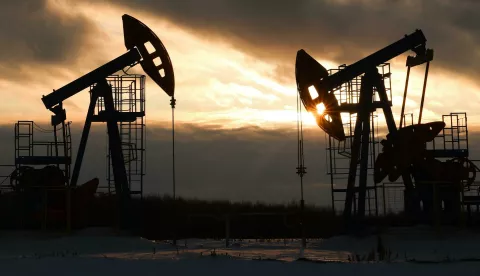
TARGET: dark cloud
(35,34)
(342,31)
(247,163)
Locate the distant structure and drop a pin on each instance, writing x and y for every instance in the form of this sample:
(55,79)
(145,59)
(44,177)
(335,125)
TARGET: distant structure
(430,175)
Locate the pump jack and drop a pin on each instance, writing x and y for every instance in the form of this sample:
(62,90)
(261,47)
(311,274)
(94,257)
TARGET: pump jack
(309,72)
(156,64)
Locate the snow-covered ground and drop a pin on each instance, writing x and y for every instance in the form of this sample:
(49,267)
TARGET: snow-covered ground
(209,266)
(96,252)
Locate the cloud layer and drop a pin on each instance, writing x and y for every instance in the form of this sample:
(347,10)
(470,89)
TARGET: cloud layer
(341,30)
(247,163)
(36,33)
(249,76)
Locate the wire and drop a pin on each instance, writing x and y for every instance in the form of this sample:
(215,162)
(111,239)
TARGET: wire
(172,104)
(130,67)
(298,134)
(126,72)
(40,129)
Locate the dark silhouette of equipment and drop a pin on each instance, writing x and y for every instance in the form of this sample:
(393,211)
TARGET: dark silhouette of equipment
(29,178)
(43,194)
(156,64)
(404,152)
(309,73)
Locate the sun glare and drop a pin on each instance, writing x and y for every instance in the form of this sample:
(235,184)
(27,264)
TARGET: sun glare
(320,108)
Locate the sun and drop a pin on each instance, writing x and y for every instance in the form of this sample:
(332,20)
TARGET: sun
(320,108)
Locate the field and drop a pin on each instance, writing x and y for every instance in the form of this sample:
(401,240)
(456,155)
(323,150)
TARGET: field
(158,218)
(263,242)
(96,251)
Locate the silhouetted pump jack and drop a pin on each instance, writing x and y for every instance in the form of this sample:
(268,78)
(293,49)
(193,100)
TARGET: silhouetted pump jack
(309,72)
(156,64)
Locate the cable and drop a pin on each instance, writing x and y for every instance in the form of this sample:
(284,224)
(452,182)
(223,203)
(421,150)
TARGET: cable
(298,135)
(172,104)
(126,72)
(40,129)
(130,67)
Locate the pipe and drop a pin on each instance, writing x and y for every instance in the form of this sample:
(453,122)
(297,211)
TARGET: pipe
(402,114)
(423,92)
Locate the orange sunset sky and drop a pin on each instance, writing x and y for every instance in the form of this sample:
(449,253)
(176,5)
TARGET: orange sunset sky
(234,63)
(220,77)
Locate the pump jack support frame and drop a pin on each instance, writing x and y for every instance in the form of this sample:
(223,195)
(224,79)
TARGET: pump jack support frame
(103,89)
(370,80)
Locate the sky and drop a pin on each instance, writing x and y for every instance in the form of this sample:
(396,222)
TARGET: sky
(235,84)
